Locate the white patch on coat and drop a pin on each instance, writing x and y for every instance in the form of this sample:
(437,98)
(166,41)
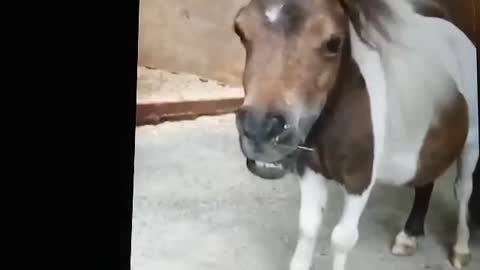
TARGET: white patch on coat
(345,234)
(428,60)
(313,191)
(273,11)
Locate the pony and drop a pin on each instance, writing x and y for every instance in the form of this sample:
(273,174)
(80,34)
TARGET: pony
(360,92)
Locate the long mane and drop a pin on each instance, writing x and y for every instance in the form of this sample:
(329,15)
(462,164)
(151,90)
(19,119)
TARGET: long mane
(381,15)
(368,13)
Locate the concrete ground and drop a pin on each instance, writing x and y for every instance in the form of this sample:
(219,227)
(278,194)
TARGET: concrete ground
(196,207)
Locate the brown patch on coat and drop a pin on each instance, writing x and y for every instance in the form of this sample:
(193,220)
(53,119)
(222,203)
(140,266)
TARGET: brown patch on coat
(342,136)
(462,13)
(443,143)
(465,15)
(431,9)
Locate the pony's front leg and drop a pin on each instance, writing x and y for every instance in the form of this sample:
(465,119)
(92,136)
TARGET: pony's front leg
(313,191)
(345,234)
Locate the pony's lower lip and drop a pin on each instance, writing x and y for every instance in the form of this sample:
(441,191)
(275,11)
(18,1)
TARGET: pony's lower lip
(267,170)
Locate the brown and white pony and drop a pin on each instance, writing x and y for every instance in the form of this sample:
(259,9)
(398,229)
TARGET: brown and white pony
(361,92)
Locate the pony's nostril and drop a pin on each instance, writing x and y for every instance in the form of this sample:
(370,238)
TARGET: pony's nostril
(248,134)
(260,126)
(275,125)
(248,122)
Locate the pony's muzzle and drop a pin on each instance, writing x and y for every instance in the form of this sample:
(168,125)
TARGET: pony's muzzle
(266,140)
(262,127)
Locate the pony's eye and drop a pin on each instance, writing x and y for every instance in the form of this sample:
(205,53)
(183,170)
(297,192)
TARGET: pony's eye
(333,45)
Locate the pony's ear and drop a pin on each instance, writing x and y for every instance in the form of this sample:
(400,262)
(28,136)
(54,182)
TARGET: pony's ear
(367,13)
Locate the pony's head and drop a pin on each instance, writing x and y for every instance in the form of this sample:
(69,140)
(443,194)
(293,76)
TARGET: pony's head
(293,55)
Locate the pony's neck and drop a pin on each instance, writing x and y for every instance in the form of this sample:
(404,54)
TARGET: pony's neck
(349,80)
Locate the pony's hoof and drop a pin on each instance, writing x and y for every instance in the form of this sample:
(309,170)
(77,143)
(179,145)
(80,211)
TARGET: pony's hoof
(403,250)
(461,260)
(404,245)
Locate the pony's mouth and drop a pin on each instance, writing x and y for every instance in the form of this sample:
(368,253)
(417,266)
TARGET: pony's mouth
(272,160)
(271,170)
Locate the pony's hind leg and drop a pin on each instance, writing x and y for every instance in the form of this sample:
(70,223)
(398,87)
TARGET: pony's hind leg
(406,240)
(463,190)
(475,198)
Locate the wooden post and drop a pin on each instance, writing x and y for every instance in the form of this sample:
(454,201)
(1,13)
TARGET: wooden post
(156,113)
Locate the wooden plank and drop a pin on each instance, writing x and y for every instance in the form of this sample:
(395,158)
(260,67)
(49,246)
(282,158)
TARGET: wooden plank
(156,113)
